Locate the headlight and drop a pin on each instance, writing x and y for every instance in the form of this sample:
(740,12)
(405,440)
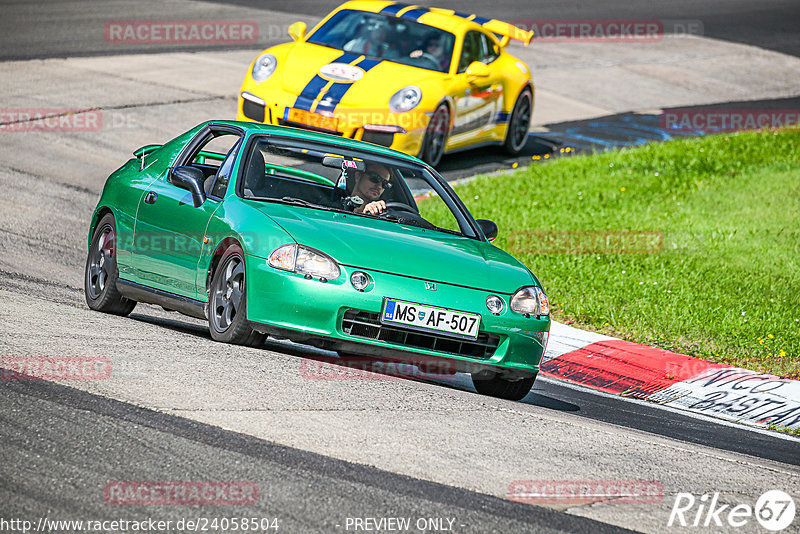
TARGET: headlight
(263,67)
(405,99)
(304,260)
(494,304)
(360,280)
(530,300)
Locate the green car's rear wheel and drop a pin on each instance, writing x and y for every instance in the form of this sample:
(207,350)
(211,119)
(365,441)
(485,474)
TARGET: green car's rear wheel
(227,309)
(503,388)
(100,276)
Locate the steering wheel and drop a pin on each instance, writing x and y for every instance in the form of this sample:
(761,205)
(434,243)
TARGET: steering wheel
(430,58)
(400,206)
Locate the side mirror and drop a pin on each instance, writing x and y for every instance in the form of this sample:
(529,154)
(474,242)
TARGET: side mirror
(489,228)
(191,179)
(297,31)
(477,70)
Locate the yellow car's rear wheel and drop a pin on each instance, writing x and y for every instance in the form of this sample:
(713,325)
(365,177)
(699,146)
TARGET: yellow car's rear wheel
(519,123)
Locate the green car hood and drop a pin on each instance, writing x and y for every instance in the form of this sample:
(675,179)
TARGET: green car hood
(375,244)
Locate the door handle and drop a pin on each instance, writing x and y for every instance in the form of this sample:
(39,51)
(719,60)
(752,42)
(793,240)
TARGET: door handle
(150,197)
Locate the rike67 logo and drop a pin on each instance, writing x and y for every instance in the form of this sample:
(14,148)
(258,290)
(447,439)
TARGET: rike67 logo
(774,511)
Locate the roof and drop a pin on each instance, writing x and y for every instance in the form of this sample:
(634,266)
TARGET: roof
(440,18)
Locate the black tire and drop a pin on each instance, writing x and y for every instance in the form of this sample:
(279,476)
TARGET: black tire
(227,306)
(101,273)
(519,123)
(496,386)
(436,136)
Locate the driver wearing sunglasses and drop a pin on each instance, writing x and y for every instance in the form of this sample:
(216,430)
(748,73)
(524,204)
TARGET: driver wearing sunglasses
(369,186)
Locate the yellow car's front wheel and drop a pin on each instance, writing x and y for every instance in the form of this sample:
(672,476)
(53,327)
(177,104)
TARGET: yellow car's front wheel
(436,136)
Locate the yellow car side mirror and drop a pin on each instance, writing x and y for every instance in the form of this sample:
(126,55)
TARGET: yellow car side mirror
(477,70)
(297,31)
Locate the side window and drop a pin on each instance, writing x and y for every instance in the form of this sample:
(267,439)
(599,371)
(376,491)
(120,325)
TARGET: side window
(209,154)
(489,50)
(470,51)
(223,176)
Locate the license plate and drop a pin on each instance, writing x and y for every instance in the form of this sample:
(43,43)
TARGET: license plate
(421,317)
(313,119)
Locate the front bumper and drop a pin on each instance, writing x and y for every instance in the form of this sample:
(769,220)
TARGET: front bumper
(399,131)
(335,316)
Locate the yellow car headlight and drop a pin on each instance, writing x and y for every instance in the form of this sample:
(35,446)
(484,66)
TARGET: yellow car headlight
(405,99)
(263,67)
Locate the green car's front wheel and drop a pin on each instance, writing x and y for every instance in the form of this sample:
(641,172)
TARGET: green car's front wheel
(503,388)
(227,309)
(100,276)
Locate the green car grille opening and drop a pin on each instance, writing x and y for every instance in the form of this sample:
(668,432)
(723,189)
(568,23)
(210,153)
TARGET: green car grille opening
(358,323)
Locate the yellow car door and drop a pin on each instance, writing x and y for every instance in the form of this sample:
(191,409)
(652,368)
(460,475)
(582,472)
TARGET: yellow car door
(477,91)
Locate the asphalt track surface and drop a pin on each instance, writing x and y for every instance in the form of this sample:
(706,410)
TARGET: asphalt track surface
(98,440)
(61,445)
(69,28)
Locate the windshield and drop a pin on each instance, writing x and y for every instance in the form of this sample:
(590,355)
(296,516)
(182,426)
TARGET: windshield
(387,37)
(310,176)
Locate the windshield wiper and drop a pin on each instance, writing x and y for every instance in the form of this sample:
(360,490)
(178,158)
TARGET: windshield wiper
(419,223)
(306,204)
(300,202)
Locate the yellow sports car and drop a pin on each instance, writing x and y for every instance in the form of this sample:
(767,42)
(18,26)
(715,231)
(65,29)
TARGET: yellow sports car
(424,81)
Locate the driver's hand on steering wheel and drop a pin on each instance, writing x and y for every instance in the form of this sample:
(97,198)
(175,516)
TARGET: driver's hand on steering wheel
(373,208)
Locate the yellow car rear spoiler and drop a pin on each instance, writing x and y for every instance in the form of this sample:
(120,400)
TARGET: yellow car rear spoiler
(504,29)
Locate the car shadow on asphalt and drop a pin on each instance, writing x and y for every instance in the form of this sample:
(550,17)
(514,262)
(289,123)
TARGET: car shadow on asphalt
(321,364)
(326,365)
(492,158)
(178,325)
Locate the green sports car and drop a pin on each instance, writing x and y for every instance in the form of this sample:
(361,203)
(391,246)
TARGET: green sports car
(272,231)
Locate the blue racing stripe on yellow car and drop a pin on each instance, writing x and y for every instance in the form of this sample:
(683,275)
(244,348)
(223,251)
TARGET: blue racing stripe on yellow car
(336,92)
(367,63)
(393,9)
(474,18)
(414,14)
(309,93)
